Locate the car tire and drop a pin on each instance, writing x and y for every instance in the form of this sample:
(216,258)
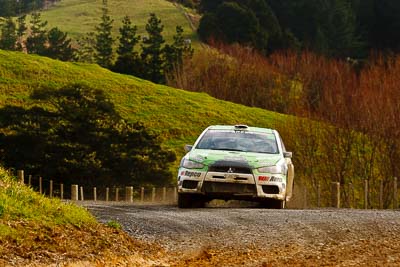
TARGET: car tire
(184,201)
(187,201)
(199,202)
(273,204)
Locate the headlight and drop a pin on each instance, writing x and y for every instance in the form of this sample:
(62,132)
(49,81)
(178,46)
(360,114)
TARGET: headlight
(271,169)
(188,164)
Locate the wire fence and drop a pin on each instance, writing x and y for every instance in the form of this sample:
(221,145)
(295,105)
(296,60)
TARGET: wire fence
(360,195)
(77,192)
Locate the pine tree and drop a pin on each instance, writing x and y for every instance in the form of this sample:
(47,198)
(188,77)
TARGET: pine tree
(269,37)
(59,45)
(36,42)
(237,23)
(385,33)
(152,50)
(341,32)
(8,37)
(104,40)
(209,28)
(86,52)
(7,8)
(128,59)
(209,5)
(180,49)
(21,30)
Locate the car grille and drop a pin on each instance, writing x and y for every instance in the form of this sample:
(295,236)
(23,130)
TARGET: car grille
(215,187)
(229,169)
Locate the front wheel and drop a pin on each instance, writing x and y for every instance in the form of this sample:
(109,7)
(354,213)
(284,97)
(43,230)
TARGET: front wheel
(186,201)
(273,204)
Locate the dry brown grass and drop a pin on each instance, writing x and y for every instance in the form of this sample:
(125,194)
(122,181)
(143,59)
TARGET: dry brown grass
(356,130)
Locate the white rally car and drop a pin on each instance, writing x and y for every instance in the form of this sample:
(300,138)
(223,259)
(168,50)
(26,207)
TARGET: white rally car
(236,162)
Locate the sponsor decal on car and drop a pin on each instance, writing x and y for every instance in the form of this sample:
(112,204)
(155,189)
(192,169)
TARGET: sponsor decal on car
(275,179)
(269,179)
(192,174)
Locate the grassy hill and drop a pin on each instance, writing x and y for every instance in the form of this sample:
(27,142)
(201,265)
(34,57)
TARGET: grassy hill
(179,116)
(78,17)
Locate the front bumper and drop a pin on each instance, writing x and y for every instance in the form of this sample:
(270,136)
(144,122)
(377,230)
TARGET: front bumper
(232,185)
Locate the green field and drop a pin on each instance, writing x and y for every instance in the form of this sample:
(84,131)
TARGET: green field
(178,115)
(77,17)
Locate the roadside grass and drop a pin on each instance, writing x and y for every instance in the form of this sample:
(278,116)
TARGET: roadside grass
(78,17)
(178,116)
(18,202)
(38,231)
(28,219)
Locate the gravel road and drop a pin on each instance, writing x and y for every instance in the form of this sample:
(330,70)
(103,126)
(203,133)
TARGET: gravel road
(248,236)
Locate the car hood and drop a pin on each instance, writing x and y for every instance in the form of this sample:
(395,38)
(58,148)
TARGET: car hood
(253,160)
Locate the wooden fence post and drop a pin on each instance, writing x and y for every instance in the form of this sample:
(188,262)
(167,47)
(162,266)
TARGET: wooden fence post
(318,195)
(74,192)
(335,197)
(116,194)
(61,191)
(142,194)
(20,174)
(153,194)
(381,195)
(164,195)
(82,198)
(40,185)
(395,196)
(107,193)
(129,194)
(365,194)
(175,194)
(94,194)
(30,180)
(51,189)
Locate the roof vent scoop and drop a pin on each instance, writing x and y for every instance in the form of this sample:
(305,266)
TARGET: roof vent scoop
(241,126)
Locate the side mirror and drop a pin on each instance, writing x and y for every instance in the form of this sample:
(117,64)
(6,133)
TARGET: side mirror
(287,154)
(188,148)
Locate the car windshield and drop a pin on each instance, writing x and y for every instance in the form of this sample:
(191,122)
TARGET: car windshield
(239,141)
